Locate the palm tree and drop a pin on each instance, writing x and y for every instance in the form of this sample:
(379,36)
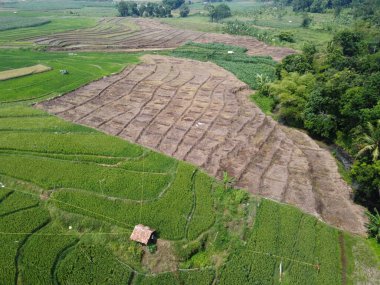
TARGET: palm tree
(370,141)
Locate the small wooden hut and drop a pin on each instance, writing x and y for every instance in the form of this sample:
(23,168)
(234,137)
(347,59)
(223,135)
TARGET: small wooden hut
(143,234)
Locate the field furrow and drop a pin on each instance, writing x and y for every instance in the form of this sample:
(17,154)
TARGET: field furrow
(198,112)
(115,34)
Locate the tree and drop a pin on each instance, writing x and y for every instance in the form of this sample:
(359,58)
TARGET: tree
(367,177)
(350,42)
(373,225)
(122,7)
(369,142)
(219,12)
(184,10)
(173,4)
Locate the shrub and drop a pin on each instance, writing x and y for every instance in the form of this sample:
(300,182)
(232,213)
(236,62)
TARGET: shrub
(286,37)
(184,10)
(306,21)
(373,225)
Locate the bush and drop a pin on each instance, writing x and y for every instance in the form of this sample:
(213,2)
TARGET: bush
(368,178)
(373,225)
(286,37)
(306,21)
(173,4)
(219,12)
(184,10)
(295,63)
(152,247)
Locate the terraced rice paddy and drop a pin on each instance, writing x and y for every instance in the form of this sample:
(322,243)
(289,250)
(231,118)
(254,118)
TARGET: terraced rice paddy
(118,34)
(200,113)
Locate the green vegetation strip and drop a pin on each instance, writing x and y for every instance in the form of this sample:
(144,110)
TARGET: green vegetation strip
(249,69)
(15,22)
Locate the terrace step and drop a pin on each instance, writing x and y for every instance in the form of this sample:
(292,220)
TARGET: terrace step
(200,113)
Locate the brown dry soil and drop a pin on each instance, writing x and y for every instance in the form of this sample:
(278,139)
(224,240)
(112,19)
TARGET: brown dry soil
(115,34)
(198,112)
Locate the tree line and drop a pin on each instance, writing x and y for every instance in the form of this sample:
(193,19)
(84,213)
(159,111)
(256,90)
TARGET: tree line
(152,9)
(368,9)
(335,94)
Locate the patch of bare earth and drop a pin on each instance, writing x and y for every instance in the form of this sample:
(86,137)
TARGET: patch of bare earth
(198,112)
(115,34)
(163,260)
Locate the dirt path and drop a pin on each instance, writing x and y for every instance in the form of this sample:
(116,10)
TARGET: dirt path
(115,34)
(198,112)
(343,258)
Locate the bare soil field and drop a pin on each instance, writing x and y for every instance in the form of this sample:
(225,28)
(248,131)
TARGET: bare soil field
(198,112)
(117,34)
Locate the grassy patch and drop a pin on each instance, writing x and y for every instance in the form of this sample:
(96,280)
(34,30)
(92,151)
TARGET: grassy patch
(56,25)
(248,69)
(194,22)
(265,103)
(82,68)
(14,22)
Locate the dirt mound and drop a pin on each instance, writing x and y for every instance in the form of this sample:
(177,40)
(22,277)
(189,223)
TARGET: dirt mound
(200,113)
(117,34)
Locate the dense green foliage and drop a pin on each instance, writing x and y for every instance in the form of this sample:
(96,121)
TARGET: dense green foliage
(173,4)
(334,94)
(184,10)
(218,12)
(150,9)
(374,225)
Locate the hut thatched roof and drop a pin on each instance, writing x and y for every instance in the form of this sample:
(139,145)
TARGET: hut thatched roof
(142,234)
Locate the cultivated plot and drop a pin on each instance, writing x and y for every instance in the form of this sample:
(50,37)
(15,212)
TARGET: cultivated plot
(116,34)
(200,113)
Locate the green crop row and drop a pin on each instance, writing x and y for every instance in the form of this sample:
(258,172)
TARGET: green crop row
(105,160)
(40,254)
(152,162)
(168,215)
(201,277)
(104,180)
(22,222)
(15,202)
(307,250)
(57,24)
(41,124)
(203,216)
(91,264)
(69,143)
(20,111)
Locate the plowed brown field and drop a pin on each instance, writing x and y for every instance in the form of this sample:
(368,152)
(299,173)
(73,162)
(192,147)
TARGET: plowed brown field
(198,112)
(115,34)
